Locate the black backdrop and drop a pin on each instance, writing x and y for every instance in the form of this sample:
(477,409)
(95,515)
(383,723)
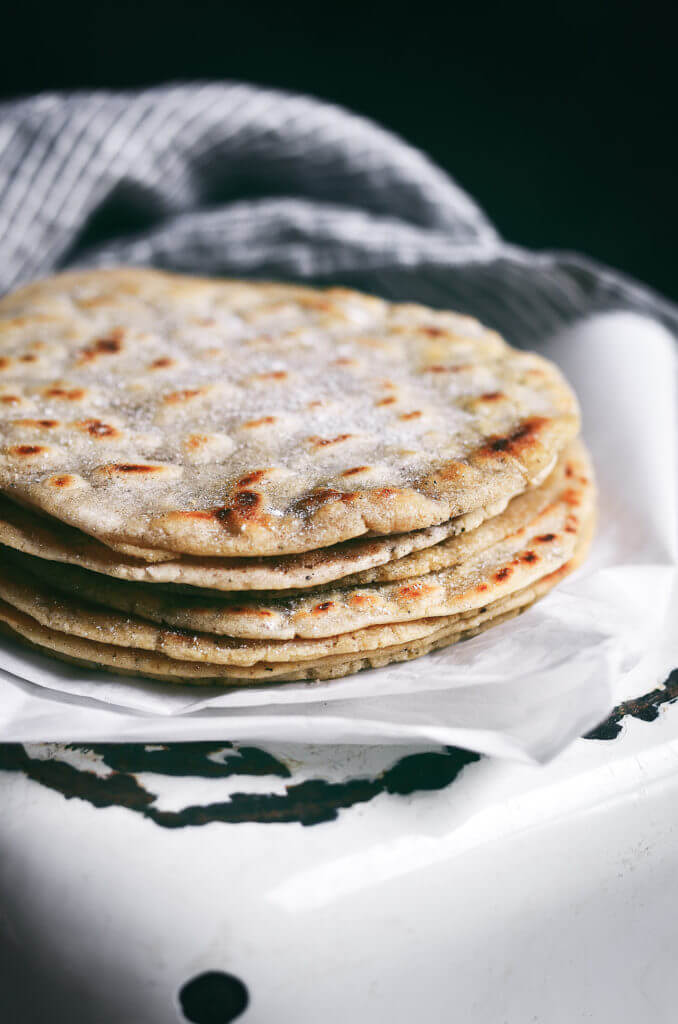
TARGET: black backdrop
(559,118)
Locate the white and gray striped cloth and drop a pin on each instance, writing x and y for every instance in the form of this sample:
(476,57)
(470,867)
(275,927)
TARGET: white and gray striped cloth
(232,179)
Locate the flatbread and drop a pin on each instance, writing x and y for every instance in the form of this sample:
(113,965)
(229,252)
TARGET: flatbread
(167,413)
(495,563)
(46,538)
(53,609)
(131,661)
(250,657)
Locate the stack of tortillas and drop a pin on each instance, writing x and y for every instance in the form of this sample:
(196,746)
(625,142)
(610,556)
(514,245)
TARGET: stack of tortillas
(240,482)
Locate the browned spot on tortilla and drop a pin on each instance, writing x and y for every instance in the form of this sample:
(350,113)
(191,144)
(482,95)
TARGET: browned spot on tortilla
(322,442)
(226,516)
(434,332)
(324,607)
(387,401)
(98,429)
(571,524)
(44,424)
(10,400)
(111,344)
(29,358)
(252,478)
(414,590)
(361,600)
(4,362)
(174,397)
(179,636)
(571,497)
(108,346)
(520,439)
(453,470)
(356,469)
(61,481)
(315,404)
(321,302)
(25,450)
(569,470)
(162,363)
(273,375)
(492,396)
(546,538)
(414,415)
(317,498)
(261,422)
(246,503)
(68,394)
(131,468)
(195,441)
(503,574)
(437,368)
(323,496)
(345,361)
(529,557)
(481,588)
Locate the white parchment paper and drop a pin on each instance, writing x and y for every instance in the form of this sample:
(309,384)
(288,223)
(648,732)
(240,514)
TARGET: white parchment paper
(524,689)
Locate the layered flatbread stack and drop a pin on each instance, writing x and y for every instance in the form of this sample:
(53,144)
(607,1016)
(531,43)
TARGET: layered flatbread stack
(246,483)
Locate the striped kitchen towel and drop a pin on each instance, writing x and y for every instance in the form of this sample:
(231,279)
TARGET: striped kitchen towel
(232,179)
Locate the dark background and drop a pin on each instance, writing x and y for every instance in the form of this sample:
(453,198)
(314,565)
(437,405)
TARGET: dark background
(559,118)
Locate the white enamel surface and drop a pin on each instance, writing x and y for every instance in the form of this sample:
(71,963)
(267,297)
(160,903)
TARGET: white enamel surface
(515,894)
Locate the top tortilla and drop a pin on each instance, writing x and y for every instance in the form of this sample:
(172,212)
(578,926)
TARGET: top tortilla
(532,538)
(165,413)
(44,537)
